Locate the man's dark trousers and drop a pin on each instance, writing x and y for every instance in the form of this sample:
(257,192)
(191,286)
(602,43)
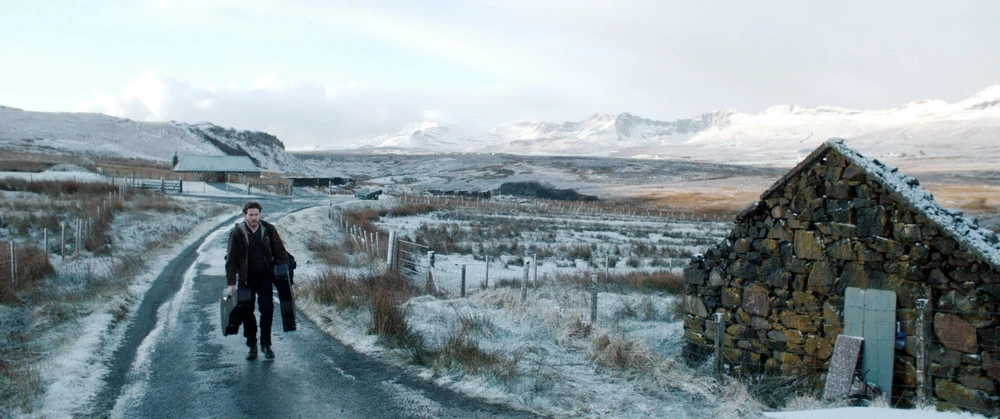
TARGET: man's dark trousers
(263,293)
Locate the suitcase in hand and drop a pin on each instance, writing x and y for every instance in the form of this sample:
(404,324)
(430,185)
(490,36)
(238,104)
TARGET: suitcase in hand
(287,301)
(229,315)
(231,310)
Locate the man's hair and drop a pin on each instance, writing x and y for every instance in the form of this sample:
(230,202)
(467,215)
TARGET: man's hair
(252,204)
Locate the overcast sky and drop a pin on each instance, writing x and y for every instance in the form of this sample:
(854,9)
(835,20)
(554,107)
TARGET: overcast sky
(317,72)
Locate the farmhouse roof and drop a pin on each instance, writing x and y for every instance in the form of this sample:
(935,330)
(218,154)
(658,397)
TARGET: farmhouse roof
(906,190)
(229,164)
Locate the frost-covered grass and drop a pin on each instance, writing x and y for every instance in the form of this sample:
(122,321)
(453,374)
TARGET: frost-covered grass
(89,292)
(541,353)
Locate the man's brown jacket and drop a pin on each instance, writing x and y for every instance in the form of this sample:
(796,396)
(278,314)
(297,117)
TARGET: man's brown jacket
(237,250)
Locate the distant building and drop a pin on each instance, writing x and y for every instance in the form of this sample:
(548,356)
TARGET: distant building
(218,168)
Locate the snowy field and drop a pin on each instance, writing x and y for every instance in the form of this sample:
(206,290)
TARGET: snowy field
(558,375)
(557,372)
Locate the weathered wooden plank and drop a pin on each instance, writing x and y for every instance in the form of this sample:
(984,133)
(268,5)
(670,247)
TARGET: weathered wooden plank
(880,337)
(842,365)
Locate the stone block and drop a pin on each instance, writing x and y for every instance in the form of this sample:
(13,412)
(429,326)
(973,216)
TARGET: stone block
(869,255)
(962,396)
(731,297)
(791,364)
(781,232)
(944,245)
(799,322)
(759,323)
(887,246)
(838,190)
(836,229)
(909,233)
(808,245)
(991,364)
(821,277)
(819,347)
(852,172)
(905,372)
(716,278)
(805,301)
(871,221)
(755,300)
(742,245)
(956,300)
(842,249)
(854,275)
(694,276)
(977,382)
(696,307)
(955,333)
(742,268)
(695,324)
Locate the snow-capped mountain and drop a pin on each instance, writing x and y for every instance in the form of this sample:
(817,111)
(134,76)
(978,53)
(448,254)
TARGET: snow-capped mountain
(418,137)
(923,129)
(780,134)
(87,134)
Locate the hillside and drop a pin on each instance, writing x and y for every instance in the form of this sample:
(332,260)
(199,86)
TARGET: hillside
(96,135)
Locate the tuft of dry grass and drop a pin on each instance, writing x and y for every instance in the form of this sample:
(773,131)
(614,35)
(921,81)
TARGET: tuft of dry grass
(365,218)
(20,386)
(412,209)
(32,267)
(335,288)
(621,352)
(57,188)
(326,251)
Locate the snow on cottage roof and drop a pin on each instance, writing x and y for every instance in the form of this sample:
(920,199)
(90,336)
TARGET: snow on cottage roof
(907,190)
(229,164)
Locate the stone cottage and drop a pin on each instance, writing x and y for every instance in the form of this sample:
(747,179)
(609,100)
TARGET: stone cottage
(838,223)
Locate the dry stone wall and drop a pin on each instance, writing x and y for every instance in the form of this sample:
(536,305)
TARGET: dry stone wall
(780,277)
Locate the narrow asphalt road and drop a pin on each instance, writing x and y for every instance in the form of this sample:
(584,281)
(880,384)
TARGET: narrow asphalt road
(174,361)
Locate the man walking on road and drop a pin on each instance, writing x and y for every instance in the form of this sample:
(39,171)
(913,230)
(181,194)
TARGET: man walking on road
(254,249)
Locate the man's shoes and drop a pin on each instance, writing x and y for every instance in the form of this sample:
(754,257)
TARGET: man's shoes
(267,351)
(252,355)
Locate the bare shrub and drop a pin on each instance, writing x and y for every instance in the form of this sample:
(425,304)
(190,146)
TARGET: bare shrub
(648,281)
(20,385)
(386,293)
(573,330)
(326,251)
(365,218)
(621,352)
(412,209)
(335,288)
(57,188)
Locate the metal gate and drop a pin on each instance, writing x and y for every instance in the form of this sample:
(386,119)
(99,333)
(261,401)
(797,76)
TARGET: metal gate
(413,261)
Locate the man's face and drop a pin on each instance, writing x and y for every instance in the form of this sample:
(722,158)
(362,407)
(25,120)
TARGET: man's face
(252,216)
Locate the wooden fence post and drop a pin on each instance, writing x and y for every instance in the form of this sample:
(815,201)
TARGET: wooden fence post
(923,345)
(13,264)
(390,254)
(62,245)
(486,284)
(718,346)
(524,281)
(534,276)
(593,298)
(463,281)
